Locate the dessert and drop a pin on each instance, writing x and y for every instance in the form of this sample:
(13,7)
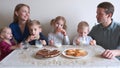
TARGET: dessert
(45,53)
(76,52)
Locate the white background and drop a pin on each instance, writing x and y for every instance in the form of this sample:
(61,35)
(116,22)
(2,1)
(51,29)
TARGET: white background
(44,10)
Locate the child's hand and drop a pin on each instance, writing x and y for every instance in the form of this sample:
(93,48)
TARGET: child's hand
(63,32)
(51,42)
(92,42)
(14,47)
(77,41)
(43,42)
(30,38)
(20,45)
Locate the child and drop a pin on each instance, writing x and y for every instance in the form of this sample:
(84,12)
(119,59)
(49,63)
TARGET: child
(36,33)
(58,36)
(7,45)
(82,38)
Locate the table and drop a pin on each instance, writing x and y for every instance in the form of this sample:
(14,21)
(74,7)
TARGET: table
(26,58)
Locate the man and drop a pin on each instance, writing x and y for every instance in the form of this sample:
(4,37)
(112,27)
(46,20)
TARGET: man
(107,32)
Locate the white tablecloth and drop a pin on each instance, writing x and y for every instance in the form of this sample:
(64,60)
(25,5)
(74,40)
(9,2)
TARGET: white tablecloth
(26,58)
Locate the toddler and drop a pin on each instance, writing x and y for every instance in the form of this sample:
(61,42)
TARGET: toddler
(7,45)
(82,38)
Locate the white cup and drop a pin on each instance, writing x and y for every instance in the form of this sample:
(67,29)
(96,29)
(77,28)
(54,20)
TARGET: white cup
(38,44)
(57,44)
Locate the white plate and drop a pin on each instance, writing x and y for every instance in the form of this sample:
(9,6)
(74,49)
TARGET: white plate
(64,53)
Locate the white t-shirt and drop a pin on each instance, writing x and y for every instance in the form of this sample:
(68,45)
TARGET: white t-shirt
(59,38)
(83,40)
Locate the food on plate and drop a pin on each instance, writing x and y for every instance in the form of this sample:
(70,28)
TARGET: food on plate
(45,53)
(76,52)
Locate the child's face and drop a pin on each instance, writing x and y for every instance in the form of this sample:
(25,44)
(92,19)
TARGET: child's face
(35,30)
(59,25)
(23,13)
(83,31)
(7,34)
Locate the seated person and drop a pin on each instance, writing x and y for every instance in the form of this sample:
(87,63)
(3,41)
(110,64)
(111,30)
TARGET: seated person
(82,38)
(36,34)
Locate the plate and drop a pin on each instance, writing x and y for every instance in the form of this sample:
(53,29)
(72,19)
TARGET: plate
(75,53)
(46,53)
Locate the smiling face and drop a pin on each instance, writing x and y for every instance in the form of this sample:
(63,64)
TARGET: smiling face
(23,13)
(6,34)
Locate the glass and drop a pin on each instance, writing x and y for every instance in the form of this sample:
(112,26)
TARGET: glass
(82,41)
(25,45)
(57,44)
(38,44)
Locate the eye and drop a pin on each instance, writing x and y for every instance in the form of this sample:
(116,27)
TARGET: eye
(35,29)
(61,25)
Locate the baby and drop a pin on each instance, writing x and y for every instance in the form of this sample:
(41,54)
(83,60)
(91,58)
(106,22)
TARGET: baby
(82,38)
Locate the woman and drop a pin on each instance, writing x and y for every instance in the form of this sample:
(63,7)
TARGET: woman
(19,25)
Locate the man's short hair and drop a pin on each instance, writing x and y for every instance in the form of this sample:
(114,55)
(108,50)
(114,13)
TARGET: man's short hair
(109,8)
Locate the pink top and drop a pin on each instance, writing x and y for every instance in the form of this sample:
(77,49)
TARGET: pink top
(5,49)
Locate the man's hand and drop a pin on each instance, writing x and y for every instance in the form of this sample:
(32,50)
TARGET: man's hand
(110,54)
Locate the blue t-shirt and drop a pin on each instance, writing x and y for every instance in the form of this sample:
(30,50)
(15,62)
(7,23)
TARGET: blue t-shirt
(17,34)
(107,37)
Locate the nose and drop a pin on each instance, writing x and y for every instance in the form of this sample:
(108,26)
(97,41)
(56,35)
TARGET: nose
(32,32)
(59,26)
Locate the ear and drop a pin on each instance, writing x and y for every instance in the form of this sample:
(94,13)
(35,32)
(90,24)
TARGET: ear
(40,30)
(16,13)
(1,36)
(110,15)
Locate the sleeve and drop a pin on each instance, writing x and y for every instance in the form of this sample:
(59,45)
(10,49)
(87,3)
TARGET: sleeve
(5,48)
(74,40)
(66,40)
(118,44)
(50,37)
(90,38)
(42,37)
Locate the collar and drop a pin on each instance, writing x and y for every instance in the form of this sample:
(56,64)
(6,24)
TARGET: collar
(109,27)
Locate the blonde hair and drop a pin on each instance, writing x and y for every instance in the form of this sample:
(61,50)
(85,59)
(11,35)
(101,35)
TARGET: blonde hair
(2,31)
(83,24)
(17,8)
(34,22)
(53,21)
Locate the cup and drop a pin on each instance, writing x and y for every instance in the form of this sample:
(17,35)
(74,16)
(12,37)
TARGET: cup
(82,41)
(25,45)
(38,44)
(57,44)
